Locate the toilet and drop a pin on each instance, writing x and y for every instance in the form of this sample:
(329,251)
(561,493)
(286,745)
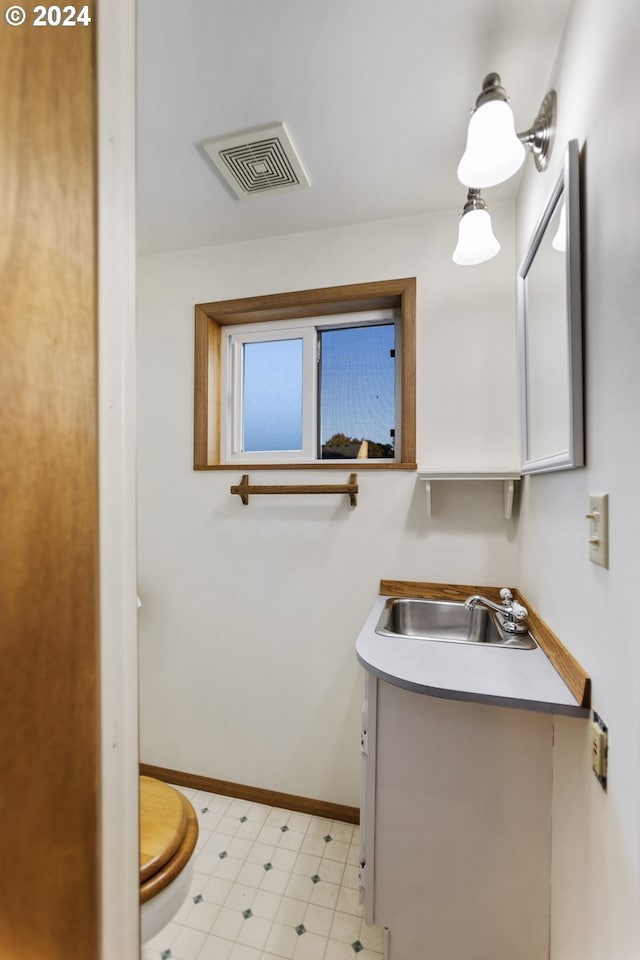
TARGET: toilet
(168,836)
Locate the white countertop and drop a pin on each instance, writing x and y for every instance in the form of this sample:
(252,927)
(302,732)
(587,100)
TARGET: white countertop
(463,671)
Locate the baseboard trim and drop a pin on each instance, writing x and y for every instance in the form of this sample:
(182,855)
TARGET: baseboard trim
(272,798)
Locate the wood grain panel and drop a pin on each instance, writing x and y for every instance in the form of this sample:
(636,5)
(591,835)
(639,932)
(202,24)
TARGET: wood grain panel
(408,366)
(272,798)
(48,496)
(321,301)
(575,677)
(201,391)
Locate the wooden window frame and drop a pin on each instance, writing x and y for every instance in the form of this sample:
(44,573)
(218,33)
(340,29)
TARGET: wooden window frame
(210,318)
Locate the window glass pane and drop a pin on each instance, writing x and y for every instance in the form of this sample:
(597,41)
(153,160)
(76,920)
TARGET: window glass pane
(272,395)
(357,392)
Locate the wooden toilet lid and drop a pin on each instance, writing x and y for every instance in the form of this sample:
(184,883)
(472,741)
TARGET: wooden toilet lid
(163,825)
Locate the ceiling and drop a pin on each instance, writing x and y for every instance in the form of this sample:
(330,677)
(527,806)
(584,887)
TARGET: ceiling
(375,95)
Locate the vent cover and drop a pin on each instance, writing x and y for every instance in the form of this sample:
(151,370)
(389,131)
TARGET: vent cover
(256,161)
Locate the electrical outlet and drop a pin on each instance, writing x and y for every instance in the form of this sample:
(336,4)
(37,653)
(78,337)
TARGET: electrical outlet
(599,749)
(599,528)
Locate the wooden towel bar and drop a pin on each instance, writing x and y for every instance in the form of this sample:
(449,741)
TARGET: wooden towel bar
(244,488)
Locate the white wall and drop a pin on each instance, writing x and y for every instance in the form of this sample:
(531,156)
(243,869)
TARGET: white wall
(596,843)
(250,614)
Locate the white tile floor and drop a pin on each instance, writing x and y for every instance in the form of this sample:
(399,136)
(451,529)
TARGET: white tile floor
(269,884)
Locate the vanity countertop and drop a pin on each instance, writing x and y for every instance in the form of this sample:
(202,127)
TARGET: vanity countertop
(525,679)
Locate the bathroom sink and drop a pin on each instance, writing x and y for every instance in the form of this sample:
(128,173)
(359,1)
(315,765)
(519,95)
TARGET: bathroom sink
(447,620)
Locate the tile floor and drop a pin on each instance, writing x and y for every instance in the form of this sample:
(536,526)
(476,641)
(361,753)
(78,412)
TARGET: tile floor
(269,884)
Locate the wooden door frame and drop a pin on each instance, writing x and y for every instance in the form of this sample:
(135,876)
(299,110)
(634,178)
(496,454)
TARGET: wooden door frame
(119,845)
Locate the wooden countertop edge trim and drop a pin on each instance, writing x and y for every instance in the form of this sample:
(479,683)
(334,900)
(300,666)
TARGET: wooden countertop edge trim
(575,677)
(436,591)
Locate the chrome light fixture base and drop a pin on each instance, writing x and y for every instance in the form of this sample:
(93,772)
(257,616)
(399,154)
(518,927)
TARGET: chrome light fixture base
(492,89)
(474,201)
(539,137)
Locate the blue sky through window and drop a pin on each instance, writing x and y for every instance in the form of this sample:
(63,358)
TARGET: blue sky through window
(272,398)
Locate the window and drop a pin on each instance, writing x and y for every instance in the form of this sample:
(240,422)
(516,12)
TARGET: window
(312,391)
(315,379)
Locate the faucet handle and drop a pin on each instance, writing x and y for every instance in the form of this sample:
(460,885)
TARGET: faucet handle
(515,610)
(519,612)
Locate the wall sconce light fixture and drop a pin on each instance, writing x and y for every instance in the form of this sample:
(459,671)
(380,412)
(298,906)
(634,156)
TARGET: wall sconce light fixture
(494,150)
(476,240)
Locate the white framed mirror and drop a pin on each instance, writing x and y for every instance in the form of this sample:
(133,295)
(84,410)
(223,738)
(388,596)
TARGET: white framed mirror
(550,331)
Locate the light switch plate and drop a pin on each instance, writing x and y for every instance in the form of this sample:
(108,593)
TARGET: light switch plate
(599,528)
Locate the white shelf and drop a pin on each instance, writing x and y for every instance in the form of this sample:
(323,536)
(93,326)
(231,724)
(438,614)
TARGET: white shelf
(507,477)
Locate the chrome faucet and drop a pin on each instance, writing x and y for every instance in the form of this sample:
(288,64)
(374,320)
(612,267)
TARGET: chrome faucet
(511,615)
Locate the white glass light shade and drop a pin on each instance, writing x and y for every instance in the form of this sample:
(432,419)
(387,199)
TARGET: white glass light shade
(476,240)
(493,152)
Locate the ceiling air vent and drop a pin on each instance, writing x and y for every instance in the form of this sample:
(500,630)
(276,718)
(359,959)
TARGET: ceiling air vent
(256,161)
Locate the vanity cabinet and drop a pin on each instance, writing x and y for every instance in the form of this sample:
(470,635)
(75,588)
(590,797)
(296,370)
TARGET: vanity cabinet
(455,825)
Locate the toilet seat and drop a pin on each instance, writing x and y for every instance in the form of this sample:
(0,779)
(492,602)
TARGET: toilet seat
(168,836)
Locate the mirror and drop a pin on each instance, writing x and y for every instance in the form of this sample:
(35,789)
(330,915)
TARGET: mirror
(550,331)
